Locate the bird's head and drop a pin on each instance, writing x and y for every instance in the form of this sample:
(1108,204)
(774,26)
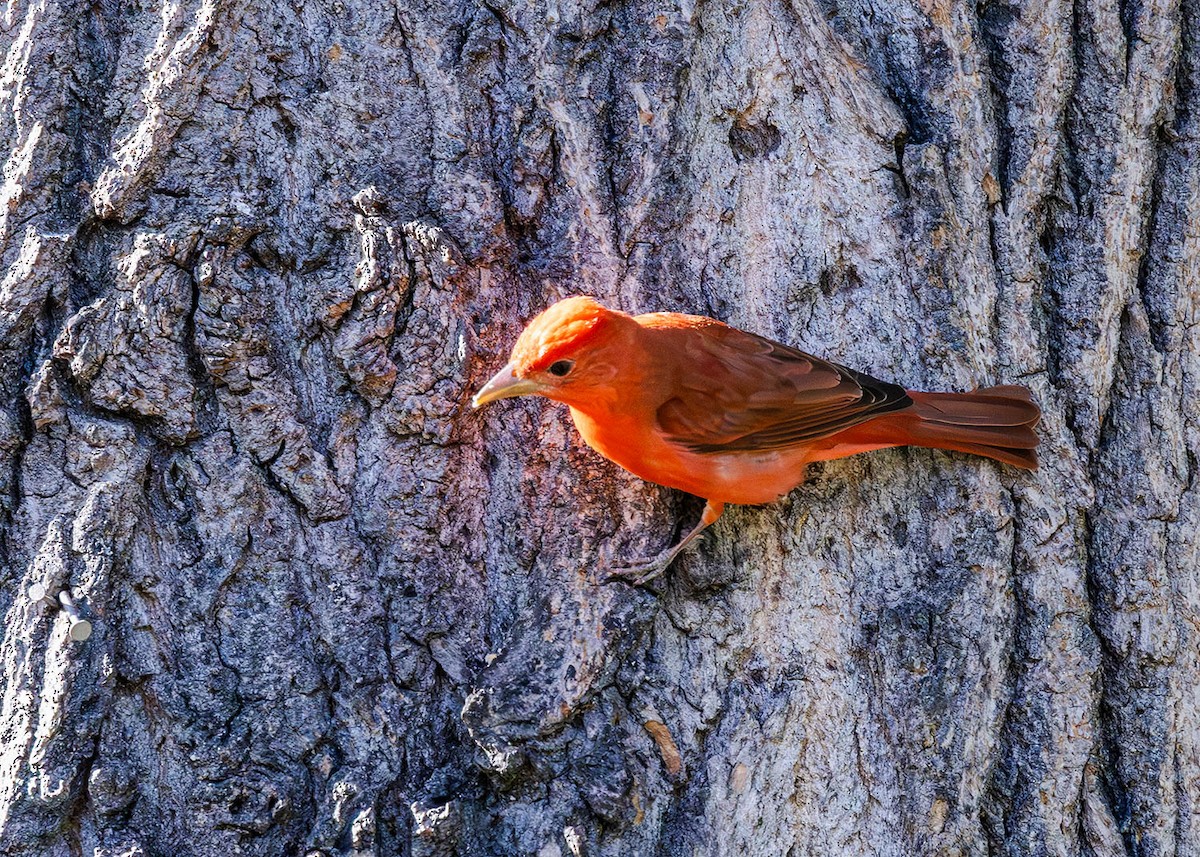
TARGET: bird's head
(564,354)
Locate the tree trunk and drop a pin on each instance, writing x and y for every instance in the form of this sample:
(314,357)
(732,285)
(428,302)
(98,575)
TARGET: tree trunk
(256,257)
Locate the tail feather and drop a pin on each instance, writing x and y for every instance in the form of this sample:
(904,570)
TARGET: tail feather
(996,422)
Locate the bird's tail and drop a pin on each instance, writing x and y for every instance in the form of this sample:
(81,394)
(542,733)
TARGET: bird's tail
(996,422)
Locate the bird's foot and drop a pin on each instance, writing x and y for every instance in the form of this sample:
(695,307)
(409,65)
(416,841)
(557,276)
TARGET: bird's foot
(640,571)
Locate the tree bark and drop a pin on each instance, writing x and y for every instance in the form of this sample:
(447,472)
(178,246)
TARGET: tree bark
(256,257)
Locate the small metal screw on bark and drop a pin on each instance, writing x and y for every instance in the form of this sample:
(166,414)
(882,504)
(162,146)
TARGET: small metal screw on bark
(80,628)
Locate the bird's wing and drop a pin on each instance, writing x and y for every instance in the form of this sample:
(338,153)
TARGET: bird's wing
(738,392)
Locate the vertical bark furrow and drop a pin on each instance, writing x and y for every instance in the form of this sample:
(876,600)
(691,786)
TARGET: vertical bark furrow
(1094,272)
(173,74)
(1144,589)
(1049,730)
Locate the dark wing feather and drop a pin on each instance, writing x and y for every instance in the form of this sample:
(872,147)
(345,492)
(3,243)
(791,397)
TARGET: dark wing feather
(743,393)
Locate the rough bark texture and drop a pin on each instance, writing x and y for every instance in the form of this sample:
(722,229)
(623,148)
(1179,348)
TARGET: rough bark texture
(257,255)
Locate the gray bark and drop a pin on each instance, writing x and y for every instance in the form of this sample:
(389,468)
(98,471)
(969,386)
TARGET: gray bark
(256,257)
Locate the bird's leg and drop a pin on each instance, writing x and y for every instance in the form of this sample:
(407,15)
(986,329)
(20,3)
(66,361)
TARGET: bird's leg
(645,570)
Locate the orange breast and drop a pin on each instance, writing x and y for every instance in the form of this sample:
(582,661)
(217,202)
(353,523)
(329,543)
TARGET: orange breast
(740,477)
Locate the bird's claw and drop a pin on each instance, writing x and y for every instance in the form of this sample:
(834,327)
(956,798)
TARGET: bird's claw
(637,573)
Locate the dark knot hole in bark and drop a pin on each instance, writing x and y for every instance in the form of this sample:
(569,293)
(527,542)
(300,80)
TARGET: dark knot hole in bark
(753,139)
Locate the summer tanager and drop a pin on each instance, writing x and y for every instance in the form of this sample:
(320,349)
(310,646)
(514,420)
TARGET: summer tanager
(692,403)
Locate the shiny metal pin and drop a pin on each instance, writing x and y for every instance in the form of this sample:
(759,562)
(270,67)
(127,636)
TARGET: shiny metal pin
(38,592)
(80,628)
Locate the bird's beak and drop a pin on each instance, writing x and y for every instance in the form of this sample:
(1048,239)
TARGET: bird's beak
(504,384)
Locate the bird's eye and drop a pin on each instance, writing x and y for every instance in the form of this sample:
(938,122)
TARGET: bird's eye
(560,368)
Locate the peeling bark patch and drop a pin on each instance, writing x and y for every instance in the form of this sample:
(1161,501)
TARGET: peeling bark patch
(750,140)
(666,746)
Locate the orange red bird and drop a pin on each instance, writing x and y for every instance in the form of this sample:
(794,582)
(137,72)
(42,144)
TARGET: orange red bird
(691,403)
